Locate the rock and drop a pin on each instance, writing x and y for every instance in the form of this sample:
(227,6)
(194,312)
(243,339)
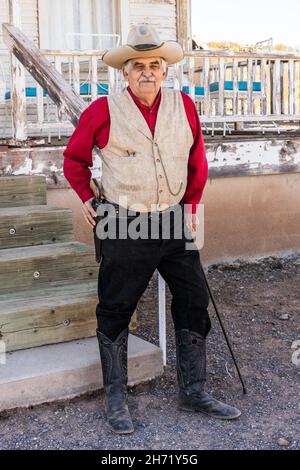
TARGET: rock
(282,442)
(276,265)
(284,316)
(231,266)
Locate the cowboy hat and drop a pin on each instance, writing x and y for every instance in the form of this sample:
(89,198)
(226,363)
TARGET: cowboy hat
(143,41)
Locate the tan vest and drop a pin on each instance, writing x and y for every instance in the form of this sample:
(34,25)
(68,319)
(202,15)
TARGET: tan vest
(142,172)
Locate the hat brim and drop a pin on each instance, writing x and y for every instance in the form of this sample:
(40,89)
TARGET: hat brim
(170,51)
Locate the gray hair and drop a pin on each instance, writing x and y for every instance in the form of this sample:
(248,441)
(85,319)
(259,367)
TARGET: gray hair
(128,65)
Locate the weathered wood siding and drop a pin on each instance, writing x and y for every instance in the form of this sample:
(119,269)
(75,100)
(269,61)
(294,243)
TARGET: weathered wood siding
(29,14)
(159,13)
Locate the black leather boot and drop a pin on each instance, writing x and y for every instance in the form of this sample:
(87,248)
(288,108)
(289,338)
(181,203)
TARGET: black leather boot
(114,369)
(191,372)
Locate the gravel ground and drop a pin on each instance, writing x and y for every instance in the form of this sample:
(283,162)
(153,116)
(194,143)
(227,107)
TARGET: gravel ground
(260,304)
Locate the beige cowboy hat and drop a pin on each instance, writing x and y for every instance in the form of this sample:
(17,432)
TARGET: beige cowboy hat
(143,41)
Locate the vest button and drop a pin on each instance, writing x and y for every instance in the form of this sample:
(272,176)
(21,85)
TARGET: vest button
(158,159)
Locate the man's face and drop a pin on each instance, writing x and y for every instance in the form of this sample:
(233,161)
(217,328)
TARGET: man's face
(145,76)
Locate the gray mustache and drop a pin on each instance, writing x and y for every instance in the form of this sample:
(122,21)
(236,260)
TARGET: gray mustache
(150,80)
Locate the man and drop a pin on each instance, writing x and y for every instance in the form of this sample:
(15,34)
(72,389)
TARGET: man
(153,161)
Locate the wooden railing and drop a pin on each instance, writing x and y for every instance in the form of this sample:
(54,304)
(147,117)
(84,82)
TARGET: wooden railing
(258,86)
(227,87)
(84,71)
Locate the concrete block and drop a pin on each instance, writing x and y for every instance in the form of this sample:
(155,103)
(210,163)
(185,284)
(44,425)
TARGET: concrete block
(62,371)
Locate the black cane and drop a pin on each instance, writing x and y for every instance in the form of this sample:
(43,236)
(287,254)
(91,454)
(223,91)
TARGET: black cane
(224,332)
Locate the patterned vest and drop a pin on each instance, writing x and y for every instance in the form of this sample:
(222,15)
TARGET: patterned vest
(142,172)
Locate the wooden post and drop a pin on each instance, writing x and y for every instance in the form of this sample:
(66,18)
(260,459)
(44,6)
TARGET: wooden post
(40,104)
(94,86)
(282,91)
(242,79)
(207,109)
(276,88)
(124,19)
(191,78)
(235,86)
(162,317)
(76,74)
(263,81)
(235,102)
(184,28)
(18,94)
(221,86)
(271,69)
(291,87)
(250,87)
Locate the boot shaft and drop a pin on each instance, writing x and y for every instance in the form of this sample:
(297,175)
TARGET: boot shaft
(114,358)
(114,369)
(191,360)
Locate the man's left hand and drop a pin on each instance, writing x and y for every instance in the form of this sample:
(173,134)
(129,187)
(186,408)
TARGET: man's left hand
(192,223)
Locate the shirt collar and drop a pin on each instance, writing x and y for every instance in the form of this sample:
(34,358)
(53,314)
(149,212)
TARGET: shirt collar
(142,105)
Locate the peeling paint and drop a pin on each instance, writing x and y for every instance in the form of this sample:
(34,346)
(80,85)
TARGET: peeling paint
(26,169)
(225,159)
(254,153)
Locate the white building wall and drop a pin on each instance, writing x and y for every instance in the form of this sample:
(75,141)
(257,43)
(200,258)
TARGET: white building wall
(159,13)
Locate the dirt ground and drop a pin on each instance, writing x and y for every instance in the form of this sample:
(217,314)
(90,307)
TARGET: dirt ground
(260,304)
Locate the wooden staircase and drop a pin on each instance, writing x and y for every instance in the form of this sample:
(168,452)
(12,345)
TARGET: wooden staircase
(48,290)
(48,297)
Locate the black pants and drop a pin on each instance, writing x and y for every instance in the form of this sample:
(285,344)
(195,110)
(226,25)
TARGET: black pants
(126,268)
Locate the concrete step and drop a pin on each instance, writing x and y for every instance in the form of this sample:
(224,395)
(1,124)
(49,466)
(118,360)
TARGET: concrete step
(65,370)
(22,191)
(34,225)
(41,266)
(47,316)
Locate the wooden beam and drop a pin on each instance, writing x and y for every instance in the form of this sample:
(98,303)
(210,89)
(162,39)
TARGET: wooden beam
(206,81)
(291,89)
(19,127)
(61,93)
(277,88)
(184,28)
(221,86)
(244,55)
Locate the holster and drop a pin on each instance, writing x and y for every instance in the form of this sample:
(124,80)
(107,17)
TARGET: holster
(97,241)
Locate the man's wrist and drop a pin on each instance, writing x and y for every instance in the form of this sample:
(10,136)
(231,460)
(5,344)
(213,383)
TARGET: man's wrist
(86,195)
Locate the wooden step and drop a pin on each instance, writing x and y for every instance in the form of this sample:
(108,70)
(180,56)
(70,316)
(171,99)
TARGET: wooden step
(35,267)
(50,315)
(35,225)
(22,190)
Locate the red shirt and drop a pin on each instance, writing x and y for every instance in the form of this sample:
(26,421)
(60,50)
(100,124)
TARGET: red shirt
(93,129)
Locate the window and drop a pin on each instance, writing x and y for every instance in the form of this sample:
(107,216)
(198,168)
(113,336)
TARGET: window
(77,24)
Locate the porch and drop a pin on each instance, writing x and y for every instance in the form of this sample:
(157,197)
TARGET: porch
(233,92)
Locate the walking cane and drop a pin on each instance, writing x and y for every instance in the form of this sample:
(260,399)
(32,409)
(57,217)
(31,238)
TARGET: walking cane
(223,329)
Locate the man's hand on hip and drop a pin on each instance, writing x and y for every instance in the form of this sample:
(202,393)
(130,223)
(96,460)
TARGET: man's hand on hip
(88,212)
(192,222)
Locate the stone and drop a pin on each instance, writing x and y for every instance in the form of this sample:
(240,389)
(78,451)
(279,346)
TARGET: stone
(284,316)
(282,442)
